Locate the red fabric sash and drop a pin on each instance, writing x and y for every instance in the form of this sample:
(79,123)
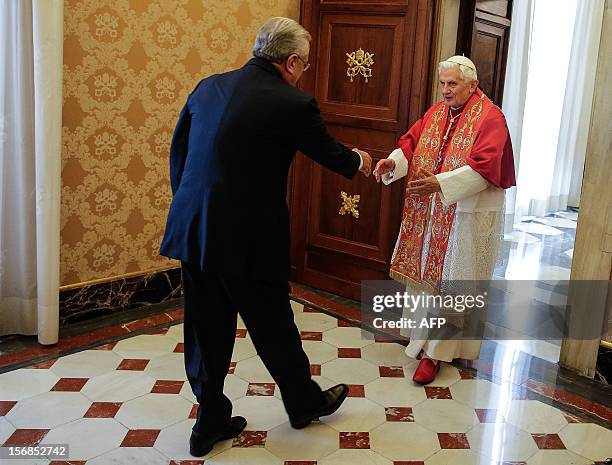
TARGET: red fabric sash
(406,261)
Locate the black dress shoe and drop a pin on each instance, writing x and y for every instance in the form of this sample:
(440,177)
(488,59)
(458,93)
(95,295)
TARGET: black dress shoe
(334,397)
(202,443)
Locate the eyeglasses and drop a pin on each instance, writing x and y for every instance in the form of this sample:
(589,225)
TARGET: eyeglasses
(306,63)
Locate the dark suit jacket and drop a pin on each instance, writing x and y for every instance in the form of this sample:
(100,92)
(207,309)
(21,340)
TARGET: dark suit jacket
(229,162)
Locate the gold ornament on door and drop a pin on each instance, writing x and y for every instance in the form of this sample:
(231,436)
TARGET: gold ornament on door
(349,204)
(359,62)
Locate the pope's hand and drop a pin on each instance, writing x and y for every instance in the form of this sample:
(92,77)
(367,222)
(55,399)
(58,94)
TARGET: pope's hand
(366,167)
(427,184)
(383,166)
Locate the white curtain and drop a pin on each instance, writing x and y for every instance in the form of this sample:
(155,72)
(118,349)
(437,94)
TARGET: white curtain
(548,99)
(31,52)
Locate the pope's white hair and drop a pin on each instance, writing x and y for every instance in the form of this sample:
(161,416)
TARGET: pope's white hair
(279,37)
(467,74)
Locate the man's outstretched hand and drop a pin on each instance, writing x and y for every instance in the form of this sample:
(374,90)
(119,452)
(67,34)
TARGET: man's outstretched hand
(366,167)
(383,166)
(426,184)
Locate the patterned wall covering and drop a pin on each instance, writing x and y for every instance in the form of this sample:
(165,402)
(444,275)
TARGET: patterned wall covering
(128,67)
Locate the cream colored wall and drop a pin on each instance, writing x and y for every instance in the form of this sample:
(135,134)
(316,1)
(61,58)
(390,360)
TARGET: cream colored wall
(128,67)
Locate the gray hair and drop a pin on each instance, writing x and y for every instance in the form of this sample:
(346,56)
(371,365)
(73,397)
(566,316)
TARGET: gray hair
(467,74)
(279,37)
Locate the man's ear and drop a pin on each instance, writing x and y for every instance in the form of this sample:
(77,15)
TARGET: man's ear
(474,85)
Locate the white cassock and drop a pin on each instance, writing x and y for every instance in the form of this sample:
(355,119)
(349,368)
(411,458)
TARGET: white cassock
(473,246)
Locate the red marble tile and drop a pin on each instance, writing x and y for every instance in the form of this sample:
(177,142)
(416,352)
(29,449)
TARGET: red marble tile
(167,387)
(399,414)
(315,370)
(334,306)
(548,441)
(438,392)
(194,411)
(109,346)
(602,411)
(349,352)
(70,384)
(467,374)
(6,406)
(26,437)
(345,324)
(188,462)
(308,309)
(140,438)
(574,418)
(311,336)
(232,368)
(250,439)
(489,415)
(385,338)
(354,440)
(391,372)
(261,389)
(453,441)
(356,390)
(43,365)
(103,410)
(180,348)
(158,331)
(241,333)
(133,364)
(153,320)
(67,462)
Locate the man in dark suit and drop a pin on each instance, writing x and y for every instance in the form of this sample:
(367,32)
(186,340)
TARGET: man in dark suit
(229,225)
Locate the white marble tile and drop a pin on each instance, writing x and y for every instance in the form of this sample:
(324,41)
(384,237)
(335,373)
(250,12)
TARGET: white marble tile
(48,410)
(553,273)
(86,364)
(173,442)
(447,376)
(557,457)
(6,429)
(557,222)
(356,414)
(319,352)
(386,354)
(296,306)
(243,349)
(253,370)
(568,214)
(30,462)
(176,332)
(145,346)
(354,457)
(520,237)
(346,337)
(404,441)
(88,437)
(538,228)
(312,443)
(24,383)
(153,411)
(479,393)
(187,393)
(350,371)
(395,392)
(245,455)
(235,387)
(444,416)
(262,412)
(502,442)
(167,367)
(315,322)
(118,386)
(458,457)
(587,440)
(130,456)
(534,416)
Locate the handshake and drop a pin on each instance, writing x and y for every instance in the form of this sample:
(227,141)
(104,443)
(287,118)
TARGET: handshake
(382,167)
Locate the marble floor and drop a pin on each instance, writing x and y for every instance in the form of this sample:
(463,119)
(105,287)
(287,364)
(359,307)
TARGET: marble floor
(128,403)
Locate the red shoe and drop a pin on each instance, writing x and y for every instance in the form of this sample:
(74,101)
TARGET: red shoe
(426,371)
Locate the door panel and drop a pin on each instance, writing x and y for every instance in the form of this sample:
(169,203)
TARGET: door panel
(330,250)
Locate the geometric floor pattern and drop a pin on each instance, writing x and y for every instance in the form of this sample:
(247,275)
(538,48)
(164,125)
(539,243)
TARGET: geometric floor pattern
(129,403)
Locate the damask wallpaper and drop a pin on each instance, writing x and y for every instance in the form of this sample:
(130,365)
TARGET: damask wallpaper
(128,68)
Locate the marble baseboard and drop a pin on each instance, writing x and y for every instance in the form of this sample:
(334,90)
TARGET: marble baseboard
(95,300)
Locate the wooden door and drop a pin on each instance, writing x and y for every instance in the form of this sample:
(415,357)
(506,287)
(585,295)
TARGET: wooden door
(332,251)
(483,35)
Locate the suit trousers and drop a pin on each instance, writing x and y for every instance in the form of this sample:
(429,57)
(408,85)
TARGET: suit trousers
(212,303)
